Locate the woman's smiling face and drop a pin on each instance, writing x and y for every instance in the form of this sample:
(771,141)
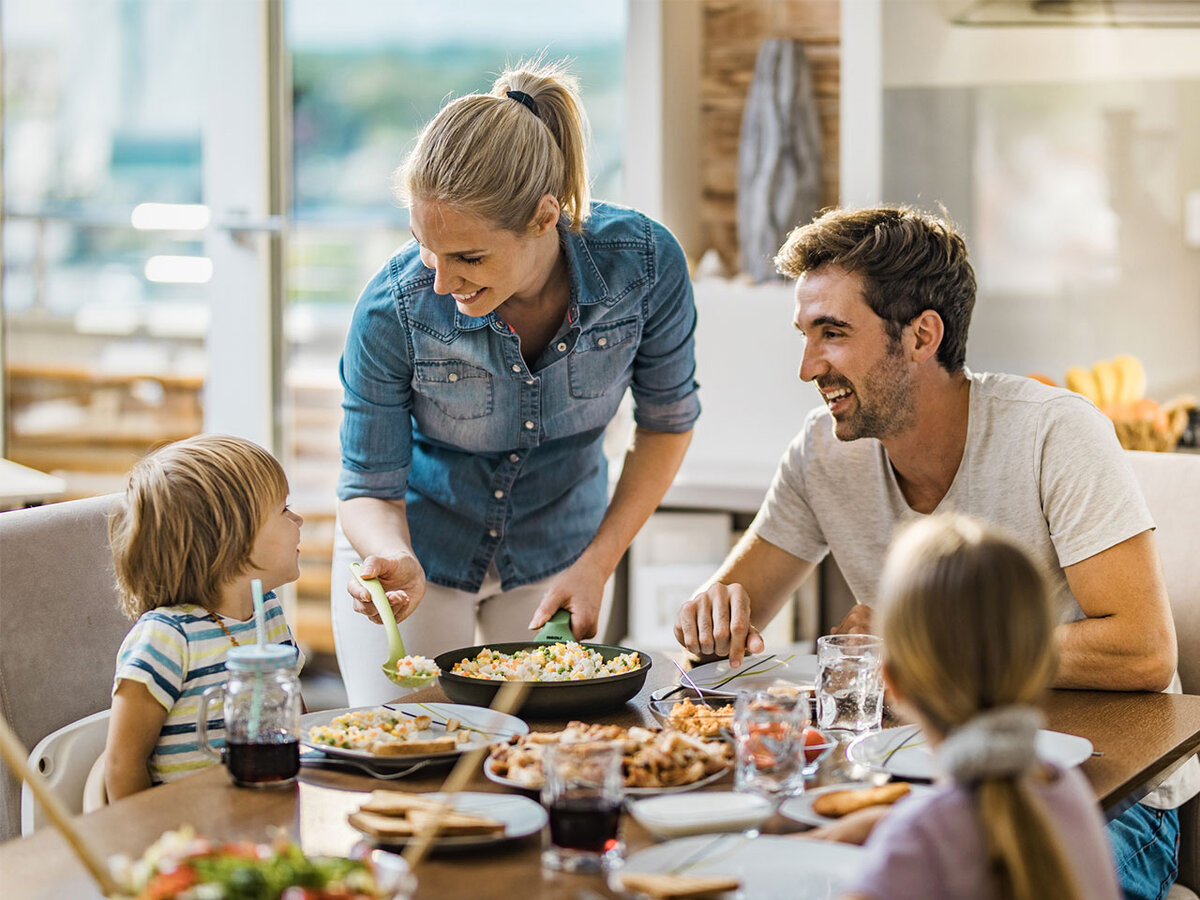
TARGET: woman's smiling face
(477,264)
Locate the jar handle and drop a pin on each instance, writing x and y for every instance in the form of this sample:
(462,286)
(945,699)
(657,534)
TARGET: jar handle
(202,723)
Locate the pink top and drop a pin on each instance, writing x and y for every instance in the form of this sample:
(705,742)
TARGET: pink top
(931,845)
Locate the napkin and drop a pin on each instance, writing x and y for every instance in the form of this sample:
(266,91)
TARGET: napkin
(672,886)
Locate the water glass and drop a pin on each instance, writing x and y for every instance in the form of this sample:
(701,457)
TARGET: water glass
(768,732)
(583,789)
(849,683)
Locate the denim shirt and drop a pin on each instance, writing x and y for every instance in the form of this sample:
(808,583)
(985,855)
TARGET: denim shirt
(500,461)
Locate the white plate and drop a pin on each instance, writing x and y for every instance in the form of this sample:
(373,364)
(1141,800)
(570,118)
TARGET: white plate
(800,808)
(769,866)
(677,815)
(904,753)
(785,668)
(492,727)
(490,773)
(520,815)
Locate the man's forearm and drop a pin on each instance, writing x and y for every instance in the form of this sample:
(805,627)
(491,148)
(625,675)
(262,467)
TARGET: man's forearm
(1097,654)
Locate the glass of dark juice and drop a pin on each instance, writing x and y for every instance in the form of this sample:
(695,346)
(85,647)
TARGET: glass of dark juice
(583,791)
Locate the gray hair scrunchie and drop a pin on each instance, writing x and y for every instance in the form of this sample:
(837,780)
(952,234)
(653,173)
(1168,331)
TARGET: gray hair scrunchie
(997,743)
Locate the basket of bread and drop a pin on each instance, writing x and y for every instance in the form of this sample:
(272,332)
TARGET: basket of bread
(1118,387)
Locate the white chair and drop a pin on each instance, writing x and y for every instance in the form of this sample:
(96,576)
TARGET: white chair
(66,758)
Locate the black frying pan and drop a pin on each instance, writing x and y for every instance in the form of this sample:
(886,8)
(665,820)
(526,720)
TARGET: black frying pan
(546,699)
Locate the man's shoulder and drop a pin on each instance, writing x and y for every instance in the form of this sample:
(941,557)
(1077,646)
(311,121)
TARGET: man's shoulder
(1017,395)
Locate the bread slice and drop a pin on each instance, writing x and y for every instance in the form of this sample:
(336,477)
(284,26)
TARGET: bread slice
(668,886)
(454,824)
(412,748)
(397,803)
(836,804)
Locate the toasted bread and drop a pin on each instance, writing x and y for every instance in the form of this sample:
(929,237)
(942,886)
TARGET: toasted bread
(453,824)
(678,886)
(412,748)
(836,804)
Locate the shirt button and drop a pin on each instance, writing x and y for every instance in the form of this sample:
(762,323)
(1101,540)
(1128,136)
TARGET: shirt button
(529,426)
(516,368)
(493,533)
(499,495)
(601,342)
(562,346)
(452,377)
(512,457)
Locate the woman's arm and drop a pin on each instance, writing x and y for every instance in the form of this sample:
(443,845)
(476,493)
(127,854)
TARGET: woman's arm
(378,530)
(650,465)
(133,731)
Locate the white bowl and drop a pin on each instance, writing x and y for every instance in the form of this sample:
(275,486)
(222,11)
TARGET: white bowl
(677,815)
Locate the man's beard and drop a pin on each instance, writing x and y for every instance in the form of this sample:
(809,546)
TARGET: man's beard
(885,405)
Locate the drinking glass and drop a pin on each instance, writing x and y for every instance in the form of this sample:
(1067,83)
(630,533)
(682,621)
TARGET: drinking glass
(768,731)
(583,789)
(849,683)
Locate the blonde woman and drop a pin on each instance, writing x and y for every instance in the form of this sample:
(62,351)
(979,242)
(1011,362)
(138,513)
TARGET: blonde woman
(483,364)
(200,519)
(969,652)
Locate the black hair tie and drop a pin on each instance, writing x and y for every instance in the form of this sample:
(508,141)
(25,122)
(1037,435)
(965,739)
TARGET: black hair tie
(525,100)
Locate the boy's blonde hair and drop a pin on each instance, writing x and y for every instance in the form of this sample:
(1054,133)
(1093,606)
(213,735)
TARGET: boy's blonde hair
(967,626)
(491,156)
(189,518)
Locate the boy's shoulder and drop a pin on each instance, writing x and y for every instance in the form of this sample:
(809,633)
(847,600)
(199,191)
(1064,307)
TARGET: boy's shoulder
(182,618)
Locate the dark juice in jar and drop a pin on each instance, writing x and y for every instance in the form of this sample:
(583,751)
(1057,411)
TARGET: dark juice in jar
(263,763)
(584,823)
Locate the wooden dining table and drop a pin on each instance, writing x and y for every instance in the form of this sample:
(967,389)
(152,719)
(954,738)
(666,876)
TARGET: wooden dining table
(1141,738)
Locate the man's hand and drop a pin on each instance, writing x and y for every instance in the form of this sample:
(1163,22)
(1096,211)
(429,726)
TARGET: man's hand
(716,622)
(580,589)
(857,621)
(403,582)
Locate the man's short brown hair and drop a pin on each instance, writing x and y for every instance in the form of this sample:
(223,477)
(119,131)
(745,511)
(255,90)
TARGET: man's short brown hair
(909,260)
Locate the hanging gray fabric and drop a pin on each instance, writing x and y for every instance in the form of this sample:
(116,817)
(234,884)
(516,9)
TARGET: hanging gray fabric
(779,155)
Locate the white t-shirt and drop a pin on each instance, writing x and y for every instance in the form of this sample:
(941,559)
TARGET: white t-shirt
(1042,464)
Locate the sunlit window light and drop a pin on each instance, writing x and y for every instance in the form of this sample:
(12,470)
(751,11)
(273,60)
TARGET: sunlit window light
(179,269)
(170,217)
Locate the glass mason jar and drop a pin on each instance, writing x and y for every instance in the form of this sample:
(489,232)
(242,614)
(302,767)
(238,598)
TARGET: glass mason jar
(261,704)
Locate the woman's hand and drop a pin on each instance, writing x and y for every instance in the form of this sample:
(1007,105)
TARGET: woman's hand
(580,589)
(403,582)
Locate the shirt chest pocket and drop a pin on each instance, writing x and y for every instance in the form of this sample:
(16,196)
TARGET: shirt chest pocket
(603,358)
(457,389)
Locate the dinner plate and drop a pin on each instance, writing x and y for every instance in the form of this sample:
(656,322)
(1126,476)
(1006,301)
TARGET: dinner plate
(490,772)
(904,753)
(490,726)
(800,809)
(520,815)
(769,866)
(757,673)
(677,815)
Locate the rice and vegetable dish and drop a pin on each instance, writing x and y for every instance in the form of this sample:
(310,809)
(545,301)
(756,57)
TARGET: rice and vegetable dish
(553,662)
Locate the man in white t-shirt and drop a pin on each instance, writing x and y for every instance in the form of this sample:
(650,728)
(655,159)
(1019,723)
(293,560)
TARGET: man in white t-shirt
(883,303)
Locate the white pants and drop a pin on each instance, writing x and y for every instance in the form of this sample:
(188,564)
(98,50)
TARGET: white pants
(446,619)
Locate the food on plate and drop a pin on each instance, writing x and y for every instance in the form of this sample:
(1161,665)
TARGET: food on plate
(387,733)
(568,661)
(653,759)
(396,814)
(665,885)
(698,719)
(416,667)
(836,804)
(183,866)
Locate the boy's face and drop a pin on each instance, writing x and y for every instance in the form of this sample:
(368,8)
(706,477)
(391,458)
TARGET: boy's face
(275,558)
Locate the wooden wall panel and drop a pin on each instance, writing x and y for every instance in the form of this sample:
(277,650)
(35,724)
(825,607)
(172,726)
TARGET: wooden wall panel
(733,31)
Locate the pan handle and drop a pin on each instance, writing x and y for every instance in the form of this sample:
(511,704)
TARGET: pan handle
(558,628)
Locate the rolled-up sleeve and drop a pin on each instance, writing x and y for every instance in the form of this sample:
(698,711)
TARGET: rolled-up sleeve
(376,374)
(664,387)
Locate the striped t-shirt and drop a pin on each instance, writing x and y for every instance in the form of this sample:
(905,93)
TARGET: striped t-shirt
(177,652)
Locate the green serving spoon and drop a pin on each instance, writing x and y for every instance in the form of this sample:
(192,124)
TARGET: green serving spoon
(395,645)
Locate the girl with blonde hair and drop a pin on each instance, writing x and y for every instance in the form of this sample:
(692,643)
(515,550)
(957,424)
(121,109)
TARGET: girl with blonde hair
(969,652)
(484,361)
(200,519)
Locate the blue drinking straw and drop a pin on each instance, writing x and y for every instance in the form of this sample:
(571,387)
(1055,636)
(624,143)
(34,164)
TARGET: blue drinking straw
(260,626)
